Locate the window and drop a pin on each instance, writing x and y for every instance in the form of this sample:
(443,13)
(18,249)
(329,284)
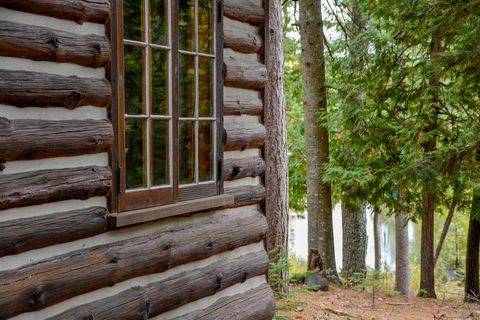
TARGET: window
(169,123)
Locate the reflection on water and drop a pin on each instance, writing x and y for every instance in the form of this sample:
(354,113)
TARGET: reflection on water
(299,240)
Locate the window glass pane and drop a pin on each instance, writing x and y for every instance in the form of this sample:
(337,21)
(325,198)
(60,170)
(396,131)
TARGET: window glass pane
(186,17)
(206,142)
(160,152)
(133,60)
(134,153)
(186,96)
(133,20)
(159,21)
(205,87)
(205,26)
(159,82)
(186,137)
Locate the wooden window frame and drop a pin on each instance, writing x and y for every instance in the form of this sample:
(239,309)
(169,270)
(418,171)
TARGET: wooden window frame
(120,200)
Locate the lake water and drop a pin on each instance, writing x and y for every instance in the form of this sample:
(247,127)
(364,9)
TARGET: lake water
(299,241)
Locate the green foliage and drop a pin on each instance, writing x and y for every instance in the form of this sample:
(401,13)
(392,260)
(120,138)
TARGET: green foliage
(384,100)
(297,165)
(278,267)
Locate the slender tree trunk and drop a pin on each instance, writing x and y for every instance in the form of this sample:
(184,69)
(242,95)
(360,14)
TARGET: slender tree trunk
(472,288)
(402,261)
(276,159)
(448,221)
(427,274)
(377,240)
(355,240)
(319,201)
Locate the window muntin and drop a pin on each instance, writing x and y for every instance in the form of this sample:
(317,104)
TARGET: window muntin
(170,124)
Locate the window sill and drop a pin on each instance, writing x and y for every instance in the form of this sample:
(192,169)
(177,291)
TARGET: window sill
(128,218)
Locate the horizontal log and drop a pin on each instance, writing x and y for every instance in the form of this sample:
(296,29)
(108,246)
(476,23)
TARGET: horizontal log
(246,195)
(242,136)
(241,39)
(243,74)
(45,44)
(242,168)
(241,101)
(35,89)
(21,235)
(257,303)
(44,283)
(36,139)
(173,292)
(244,11)
(44,186)
(79,11)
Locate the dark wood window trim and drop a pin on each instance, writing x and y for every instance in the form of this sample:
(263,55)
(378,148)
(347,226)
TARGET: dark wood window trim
(176,196)
(124,219)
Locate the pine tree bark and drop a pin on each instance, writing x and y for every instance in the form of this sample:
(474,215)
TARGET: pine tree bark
(355,240)
(427,262)
(377,240)
(276,158)
(402,262)
(319,202)
(472,287)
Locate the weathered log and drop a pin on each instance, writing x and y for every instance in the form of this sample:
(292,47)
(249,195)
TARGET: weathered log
(257,303)
(246,195)
(241,39)
(21,235)
(241,168)
(173,292)
(241,101)
(36,139)
(44,283)
(43,186)
(79,11)
(244,11)
(243,136)
(243,74)
(45,44)
(35,89)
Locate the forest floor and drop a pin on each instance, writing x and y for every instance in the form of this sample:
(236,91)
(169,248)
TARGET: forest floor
(348,303)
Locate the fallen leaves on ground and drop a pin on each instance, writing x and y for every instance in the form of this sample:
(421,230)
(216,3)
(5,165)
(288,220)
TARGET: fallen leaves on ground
(347,303)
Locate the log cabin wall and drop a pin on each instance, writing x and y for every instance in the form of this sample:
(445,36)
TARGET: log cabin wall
(59,258)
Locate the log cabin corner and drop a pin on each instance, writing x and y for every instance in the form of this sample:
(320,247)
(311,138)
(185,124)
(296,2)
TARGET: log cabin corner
(132,159)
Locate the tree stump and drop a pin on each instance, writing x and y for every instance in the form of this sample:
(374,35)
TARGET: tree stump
(317,274)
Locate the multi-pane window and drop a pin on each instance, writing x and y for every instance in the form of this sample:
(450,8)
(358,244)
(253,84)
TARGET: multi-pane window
(169,128)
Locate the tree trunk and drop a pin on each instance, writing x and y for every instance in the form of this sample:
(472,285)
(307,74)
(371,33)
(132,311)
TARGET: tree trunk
(448,221)
(427,274)
(276,158)
(377,240)
(402,262)
(355,240)
(472,288)
(319,202)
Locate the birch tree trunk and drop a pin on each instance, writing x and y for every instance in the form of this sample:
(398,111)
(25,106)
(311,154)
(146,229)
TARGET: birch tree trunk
(377,240)
(276,158)
(355,240)
(319,202)
(402,261)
